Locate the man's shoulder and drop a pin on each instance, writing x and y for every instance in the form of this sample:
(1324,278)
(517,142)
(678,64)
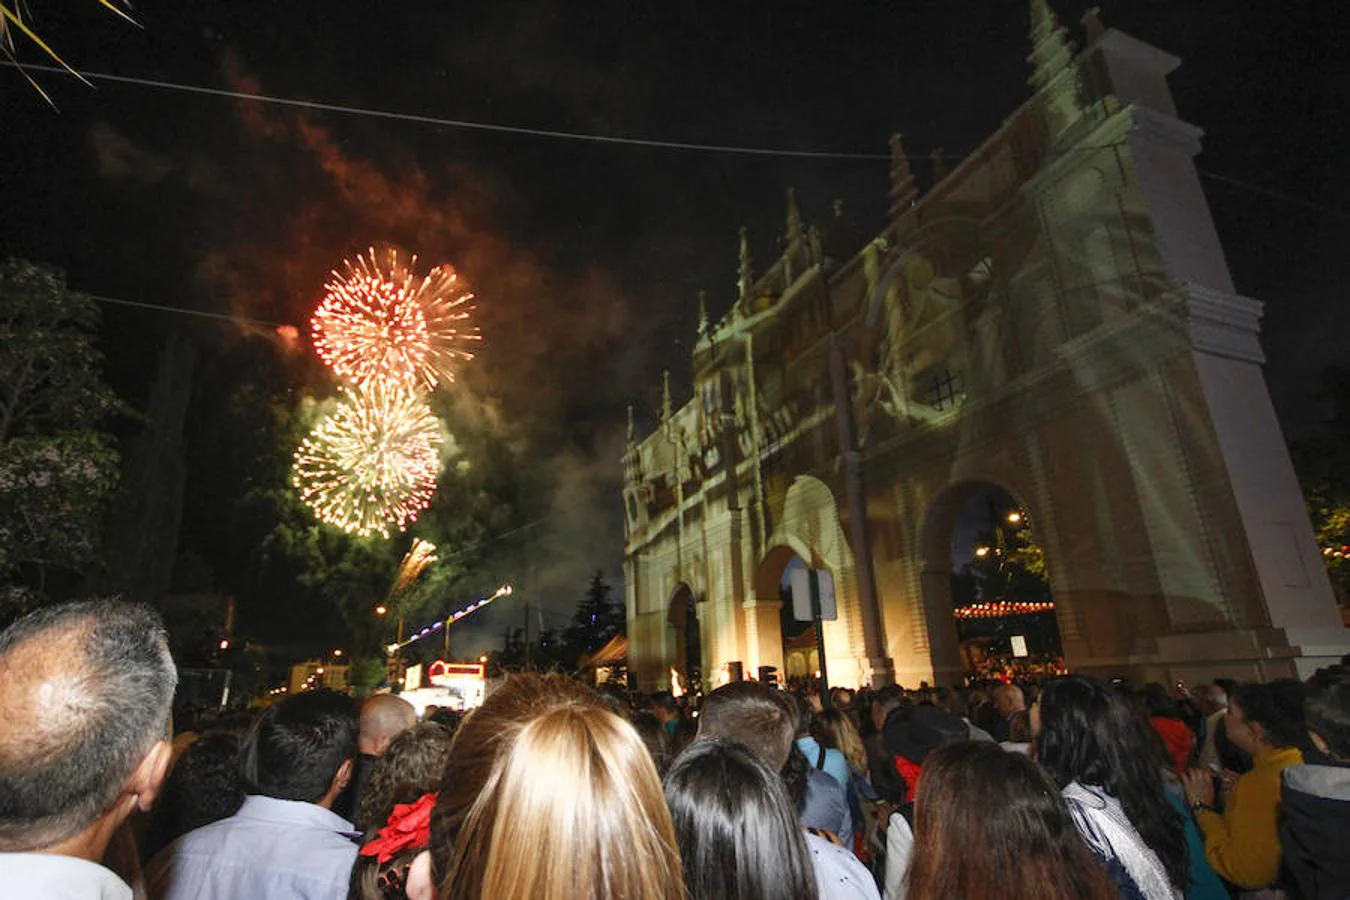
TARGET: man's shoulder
(1322,782)
(50,875)
(242,834)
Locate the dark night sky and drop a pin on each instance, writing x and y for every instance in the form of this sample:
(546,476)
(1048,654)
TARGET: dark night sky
(588,257)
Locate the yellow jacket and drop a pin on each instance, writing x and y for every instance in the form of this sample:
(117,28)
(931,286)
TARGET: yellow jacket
(1243,844)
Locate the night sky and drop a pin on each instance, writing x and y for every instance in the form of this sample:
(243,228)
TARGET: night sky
(588,256)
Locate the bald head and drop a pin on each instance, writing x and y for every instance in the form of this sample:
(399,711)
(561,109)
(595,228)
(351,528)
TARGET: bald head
(383,718)
(85,694)
(1008,699)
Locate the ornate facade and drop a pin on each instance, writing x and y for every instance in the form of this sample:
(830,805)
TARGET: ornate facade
(1055,317)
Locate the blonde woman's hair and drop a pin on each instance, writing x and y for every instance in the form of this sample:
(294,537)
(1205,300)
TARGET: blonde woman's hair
(549,796)
(839,728)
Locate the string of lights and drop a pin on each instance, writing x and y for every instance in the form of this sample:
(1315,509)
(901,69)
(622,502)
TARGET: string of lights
(435,627)
(998,609)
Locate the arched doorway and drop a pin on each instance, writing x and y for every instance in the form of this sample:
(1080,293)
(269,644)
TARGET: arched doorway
(986,587)
(683,618)
(801,656)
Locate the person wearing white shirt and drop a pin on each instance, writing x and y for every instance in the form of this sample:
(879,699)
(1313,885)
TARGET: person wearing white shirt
(86,690)
(285,841)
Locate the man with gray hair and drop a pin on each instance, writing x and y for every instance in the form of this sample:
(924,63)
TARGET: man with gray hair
(86,691)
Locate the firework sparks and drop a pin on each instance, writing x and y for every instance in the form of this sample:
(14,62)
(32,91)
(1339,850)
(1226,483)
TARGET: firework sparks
(415,561)
(370,466)
(380,322)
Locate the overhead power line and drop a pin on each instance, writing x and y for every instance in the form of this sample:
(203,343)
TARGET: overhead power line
(225,317)
(590,137)
(454,123)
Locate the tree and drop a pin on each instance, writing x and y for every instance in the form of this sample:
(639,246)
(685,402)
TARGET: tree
(1323,465)
(58,467)
(597,619)
(1007,565)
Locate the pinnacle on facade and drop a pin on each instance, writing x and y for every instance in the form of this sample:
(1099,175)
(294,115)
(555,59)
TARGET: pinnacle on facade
(702,313)
(1093,29)
(903,190)
(794,218)
(745,274)
(1051,50)
(632,432)
(665,396)
(938,157)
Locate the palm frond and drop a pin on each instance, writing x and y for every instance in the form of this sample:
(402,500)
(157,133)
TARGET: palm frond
(12,21)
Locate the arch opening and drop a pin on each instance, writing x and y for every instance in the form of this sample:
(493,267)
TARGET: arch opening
(683,619)
(987,583)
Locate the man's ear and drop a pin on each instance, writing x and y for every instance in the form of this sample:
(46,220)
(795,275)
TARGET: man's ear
(342,777)
(149,775)
(419,884)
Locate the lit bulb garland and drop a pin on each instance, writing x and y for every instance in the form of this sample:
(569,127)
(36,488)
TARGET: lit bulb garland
(1000,608)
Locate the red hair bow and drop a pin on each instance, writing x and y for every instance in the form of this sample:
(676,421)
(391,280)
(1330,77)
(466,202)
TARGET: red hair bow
(409,828)
(910,772)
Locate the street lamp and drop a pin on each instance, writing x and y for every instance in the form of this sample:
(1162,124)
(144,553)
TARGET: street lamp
(1014,517)
(981,552)
(381,610)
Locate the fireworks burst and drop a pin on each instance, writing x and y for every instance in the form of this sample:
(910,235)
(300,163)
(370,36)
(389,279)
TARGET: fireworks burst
(370,466)
(415,561)
(380,322)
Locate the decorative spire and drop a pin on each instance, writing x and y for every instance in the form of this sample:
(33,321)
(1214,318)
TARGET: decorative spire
(665,396)
(1051,56)
(702,313)
(794,218)
(903,190)
(938,157)
(746,275)
(1051,51)
(632,432)
(1092,25)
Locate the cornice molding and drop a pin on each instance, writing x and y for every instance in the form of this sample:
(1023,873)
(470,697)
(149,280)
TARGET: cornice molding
(1223,324)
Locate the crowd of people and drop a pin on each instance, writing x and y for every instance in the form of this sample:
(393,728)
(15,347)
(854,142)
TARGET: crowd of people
(1074,788)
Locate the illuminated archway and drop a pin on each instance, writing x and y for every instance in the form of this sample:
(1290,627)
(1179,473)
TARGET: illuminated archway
(986,591)
(688,651)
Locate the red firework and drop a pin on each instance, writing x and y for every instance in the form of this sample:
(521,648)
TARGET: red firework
(382,323)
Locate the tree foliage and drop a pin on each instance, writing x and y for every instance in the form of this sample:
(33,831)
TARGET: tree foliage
(1012,568)
(597,618)
(1323,465)
(58,467)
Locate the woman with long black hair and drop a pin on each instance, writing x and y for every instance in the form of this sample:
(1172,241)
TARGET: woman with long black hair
(738,835)
(1108,769)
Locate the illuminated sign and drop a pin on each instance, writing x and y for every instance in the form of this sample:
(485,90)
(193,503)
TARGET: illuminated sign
(445,674)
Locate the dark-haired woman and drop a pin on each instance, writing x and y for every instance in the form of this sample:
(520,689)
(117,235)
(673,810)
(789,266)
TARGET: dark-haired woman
(989,823)
(739,838)
(1243,843)
(1107,767)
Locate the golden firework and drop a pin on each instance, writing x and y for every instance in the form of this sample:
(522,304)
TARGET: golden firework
(371,466)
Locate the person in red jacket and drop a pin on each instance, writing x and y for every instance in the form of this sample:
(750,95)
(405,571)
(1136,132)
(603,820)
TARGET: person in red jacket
(1166,720)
